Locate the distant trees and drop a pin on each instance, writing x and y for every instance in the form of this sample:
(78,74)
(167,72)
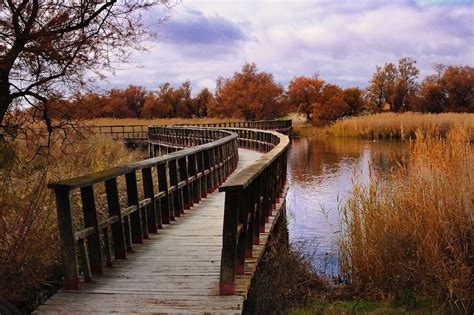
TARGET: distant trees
(331,104)
(249,95)
(451,89)
(303,93)
(202,102)
(393,87)
(354,98)
(323,101)
(381,89)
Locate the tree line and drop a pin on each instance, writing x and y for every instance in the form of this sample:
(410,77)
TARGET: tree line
(251,94)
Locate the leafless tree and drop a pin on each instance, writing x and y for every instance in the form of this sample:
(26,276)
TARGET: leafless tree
(51,47)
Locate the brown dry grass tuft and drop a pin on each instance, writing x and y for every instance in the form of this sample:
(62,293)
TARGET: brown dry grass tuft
(285,278)
(28,228)
(400,125)
(412,233)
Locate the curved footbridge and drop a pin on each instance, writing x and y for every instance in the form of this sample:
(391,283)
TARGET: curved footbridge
(181,232)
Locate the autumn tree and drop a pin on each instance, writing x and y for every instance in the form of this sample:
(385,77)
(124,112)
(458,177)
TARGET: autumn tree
(393,86)
(249,94)
(354,99)
(381,89)
(303,92)
(405,85)
(51,46)
(450,89)
(126,103)
(331,104)
(184,103)
(202,102)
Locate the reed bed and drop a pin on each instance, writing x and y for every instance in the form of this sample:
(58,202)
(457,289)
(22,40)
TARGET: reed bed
(411,233)
(400,125)
(29,248)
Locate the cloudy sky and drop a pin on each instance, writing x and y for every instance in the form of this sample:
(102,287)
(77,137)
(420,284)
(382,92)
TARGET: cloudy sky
(340,40)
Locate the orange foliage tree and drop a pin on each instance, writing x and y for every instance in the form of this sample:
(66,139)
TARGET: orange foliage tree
(303,92)
(202,102)
(393,86)
(354,98)
(126,103)
(331,104)
(451,89)
(249,95)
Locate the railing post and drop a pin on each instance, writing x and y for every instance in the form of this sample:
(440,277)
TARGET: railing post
(242,232)
(183,176)
(177,196)
(135,217)
(90,220)
(229,243)
(153,212)
(195,187)
(117,227)
(67,239)
(166,216)
(202,180)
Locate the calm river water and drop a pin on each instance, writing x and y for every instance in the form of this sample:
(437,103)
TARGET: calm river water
(320,175)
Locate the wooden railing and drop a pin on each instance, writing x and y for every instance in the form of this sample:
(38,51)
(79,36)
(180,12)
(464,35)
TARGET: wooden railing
(140,132)
(169,184)
(251,195)
(277,125)
(123,132)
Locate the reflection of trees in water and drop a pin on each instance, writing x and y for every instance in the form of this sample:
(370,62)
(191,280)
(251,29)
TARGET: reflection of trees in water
(310,157)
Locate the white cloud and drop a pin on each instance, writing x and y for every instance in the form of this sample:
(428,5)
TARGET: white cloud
(342,41)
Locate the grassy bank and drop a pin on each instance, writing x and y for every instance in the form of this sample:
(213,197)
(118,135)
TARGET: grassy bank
(29,249)
(390,125)
(409,235)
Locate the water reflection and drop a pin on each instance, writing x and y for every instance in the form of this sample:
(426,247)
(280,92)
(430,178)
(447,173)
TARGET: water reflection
(320,175)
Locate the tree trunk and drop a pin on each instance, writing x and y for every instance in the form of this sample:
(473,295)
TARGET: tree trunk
(5,98)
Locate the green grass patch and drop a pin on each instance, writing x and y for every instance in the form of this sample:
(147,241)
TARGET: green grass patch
(369,307)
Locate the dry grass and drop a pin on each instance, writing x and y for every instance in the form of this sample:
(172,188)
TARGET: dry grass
(285,278)
(29,251)
(400,125)
(412,233)
(156,121)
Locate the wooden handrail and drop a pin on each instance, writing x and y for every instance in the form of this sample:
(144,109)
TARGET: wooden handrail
(251,195)
(163,198)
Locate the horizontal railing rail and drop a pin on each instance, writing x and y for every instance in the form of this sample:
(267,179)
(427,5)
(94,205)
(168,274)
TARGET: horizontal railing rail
(91,228)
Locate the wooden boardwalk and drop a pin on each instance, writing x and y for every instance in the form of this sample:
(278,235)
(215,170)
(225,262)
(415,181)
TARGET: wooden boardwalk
(175,271)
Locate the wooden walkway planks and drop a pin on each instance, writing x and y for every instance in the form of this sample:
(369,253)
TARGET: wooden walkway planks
(176,271)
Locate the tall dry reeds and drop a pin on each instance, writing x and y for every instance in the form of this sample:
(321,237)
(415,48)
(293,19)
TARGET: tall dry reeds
(28,227)
(412,233)
(400,125)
